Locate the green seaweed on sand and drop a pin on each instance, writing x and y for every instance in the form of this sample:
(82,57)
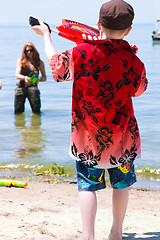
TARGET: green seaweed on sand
(53,170)
(148,173)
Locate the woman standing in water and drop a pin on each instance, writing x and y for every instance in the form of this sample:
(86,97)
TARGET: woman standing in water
(27,72)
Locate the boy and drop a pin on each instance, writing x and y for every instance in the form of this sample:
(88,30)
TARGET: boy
(106,74)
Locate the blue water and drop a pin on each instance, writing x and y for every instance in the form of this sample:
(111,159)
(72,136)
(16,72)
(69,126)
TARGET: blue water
(45,140)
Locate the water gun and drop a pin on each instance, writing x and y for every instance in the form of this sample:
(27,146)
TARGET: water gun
(72,30)
(33,77)
(12,183)
(75,31)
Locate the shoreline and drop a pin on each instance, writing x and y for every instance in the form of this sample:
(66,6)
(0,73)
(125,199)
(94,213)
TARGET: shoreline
(147,178)
(47,211)
(141,184)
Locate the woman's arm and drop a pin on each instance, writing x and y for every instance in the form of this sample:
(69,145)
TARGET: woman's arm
(18,71)
(43,72)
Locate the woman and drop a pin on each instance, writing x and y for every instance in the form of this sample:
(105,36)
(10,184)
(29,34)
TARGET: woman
(27,71)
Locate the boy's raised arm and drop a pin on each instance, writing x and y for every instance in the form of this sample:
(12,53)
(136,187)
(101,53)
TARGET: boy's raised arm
(42,30)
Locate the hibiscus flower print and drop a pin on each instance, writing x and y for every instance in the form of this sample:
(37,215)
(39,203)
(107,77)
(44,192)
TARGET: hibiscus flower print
(127,156)
(128,77)
(119,114)
(133,127)
(90,109)
(89,69)
(85,157)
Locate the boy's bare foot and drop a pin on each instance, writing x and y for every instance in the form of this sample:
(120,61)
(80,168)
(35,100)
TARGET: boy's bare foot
(111,237)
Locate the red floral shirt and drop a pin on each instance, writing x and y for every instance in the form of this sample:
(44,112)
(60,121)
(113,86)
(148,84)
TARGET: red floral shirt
(106,75)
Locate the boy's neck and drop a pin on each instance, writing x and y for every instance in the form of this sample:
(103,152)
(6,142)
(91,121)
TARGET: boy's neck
(110,36)
(106,33)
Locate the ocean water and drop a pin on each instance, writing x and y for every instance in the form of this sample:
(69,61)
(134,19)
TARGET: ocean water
(28,140)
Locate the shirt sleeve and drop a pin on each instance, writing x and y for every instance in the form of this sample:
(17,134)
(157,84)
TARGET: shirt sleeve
(143,84)
(62,66)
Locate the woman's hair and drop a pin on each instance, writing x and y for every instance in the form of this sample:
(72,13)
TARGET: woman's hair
(25,59)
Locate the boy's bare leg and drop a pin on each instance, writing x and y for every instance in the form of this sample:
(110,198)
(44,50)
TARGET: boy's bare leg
(119,206)
(88,207)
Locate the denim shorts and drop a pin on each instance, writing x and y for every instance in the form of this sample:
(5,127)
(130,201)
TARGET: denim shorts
(92,179)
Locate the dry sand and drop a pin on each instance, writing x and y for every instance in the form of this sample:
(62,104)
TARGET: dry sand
(45,211)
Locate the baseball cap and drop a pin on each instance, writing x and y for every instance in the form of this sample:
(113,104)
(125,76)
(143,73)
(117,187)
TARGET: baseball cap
(116,15)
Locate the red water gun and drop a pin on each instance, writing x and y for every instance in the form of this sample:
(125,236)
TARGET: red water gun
(75,31)
(72,30)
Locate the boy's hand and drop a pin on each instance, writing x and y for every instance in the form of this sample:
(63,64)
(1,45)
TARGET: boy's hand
(41,29)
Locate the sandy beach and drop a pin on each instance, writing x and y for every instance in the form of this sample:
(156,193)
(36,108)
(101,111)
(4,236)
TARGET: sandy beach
(51,211)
